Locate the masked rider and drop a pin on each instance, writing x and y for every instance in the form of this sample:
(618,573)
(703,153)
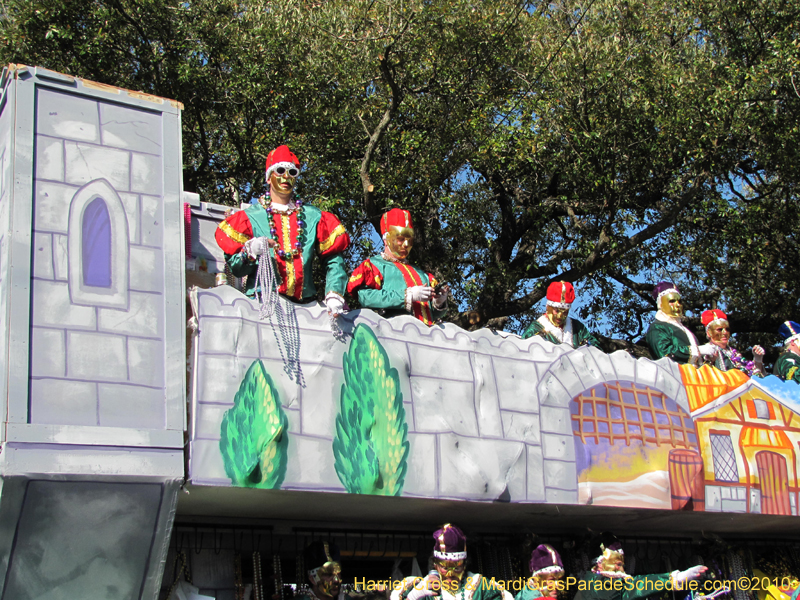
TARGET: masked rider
(787,367)
(324,572)
(718,331)
(291,233)
(667,335)
(556,325)
(547,574)
(450,579)
(598,583)
(390,284)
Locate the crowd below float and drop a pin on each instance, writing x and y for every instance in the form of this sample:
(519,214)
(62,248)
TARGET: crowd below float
(602,575)
(273,244)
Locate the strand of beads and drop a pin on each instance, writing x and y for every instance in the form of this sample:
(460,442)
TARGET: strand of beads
(276,568)
(301,224)
(258,582)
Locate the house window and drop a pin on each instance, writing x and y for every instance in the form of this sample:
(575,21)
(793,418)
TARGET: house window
(724,457)
(762,408)
(759,409)
(97,247)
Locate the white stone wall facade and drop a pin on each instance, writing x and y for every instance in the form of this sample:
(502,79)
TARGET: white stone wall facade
(96,362)
(488,413)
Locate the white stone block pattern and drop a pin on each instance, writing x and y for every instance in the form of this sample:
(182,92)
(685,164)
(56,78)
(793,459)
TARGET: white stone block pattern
(96,356)
(488,414)
(61,402)
(130,406)
(131,129)
(67,116)
(86,163)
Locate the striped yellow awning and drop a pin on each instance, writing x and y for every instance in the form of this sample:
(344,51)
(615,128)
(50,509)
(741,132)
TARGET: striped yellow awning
(764,438)
(707,383)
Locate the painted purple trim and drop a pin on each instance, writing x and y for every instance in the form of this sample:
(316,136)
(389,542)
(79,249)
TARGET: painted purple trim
(337,490)
(83,329)
(104,381)
(556,460)
(535,413)
(437,453)
(58,448)
(59,181)
(104,147)
(418,376)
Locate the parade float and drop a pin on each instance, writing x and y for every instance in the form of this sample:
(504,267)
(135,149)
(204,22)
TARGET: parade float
(157,427)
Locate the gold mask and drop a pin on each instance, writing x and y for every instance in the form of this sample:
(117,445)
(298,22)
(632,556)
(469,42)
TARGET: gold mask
(671,305)
(400,240)
(557,316)
(282,184)
(450,571)
(719,332)
(329,578)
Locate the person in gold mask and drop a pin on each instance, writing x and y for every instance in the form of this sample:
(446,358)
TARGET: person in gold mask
(718,331)
(547,574)
(556,325)
(450,580)
(390,284)
(610,565)
(667,335)
(324,572)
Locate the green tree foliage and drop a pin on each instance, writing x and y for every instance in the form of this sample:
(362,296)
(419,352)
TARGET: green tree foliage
(370,446)
(254,433)
(606,142)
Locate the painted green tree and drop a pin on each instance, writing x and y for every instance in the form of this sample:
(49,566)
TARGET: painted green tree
(254,433)
(371,441)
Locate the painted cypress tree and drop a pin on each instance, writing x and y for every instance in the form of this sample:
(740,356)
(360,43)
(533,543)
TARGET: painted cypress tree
(254,433)
(371,441)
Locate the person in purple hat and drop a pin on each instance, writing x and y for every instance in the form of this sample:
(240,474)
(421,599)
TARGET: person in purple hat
(667,336)
(547,571)
(450,579)
(610,565)
(788,364)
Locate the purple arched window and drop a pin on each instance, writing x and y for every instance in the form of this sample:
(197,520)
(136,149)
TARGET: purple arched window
(96,244)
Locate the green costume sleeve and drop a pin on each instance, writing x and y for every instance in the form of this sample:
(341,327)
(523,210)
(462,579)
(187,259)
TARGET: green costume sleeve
(532,330)
(596,587)
(643,586)
(383,298)
(335,275)
(528,593)
(486,589)
(787,367)
(582,336)
(666,340)
(240,265)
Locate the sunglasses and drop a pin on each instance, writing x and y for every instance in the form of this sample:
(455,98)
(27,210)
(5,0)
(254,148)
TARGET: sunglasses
(292,172)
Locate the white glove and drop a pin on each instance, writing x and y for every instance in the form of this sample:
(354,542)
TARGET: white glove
(709,350)
(424,588)
(681,577)
(335,305)
(256,247)
(758,354)
(419,293)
